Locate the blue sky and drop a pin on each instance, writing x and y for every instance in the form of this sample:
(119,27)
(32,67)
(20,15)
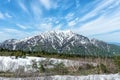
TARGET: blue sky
(98,19)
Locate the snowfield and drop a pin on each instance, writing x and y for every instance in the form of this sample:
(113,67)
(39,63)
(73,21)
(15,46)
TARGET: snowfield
(11,64)
(68,77)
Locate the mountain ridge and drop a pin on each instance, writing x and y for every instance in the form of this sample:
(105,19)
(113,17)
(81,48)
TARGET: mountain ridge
(116,43)
(62,42)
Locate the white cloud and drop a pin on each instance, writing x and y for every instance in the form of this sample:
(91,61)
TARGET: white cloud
(77,3)
(36,10)
(48,27)
(99,8)
(9,0)
(10,30)
(71,23)
(48,4)
(21,4)
(45,26)
(9,33)
(58,27)
(69,16)
(2,16)
(8,15)
(21,26)
(103,24)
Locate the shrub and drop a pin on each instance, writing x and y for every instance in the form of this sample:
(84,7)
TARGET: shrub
(102,68)
(41,68)
(89,66)
(34,65)
(117,62)
(60,68)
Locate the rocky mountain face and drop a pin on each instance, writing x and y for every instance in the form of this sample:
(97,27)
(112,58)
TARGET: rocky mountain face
(62,42)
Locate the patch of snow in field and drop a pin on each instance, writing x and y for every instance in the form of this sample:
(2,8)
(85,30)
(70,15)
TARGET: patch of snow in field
(68,77)
(11,64)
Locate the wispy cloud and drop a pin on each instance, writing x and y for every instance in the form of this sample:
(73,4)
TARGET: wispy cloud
(21,26)
(45,26)
(10,30)
(102,25)
(72,23)
(48,4)
(77,3)
(100,8)
(95,18)
(36,9)
(23,7)
(97,26)
(69,16)
(8,33)
(2,16)
(8,15)
(9,0)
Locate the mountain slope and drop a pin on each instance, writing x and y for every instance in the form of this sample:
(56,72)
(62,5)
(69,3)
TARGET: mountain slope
(116,43)
(62,42)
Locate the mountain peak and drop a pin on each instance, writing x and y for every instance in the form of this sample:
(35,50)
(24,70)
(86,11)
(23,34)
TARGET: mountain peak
(60,31)
(10,41)
(61,42)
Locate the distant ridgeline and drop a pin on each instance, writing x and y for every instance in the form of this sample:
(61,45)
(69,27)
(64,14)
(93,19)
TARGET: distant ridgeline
(62,42)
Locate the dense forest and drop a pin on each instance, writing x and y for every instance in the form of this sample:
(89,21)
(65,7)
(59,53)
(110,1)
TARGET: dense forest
(20,53)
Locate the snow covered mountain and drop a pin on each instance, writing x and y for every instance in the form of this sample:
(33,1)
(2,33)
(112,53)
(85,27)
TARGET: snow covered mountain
(62,42)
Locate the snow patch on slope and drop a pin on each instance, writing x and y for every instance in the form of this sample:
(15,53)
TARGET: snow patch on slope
(12,64)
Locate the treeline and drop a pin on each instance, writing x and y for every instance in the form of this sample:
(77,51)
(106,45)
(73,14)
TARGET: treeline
(20,53)
(16,53)
(23,54)
(104,64)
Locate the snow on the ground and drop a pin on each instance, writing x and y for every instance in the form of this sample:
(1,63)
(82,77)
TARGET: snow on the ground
(12,64)
(68,77)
